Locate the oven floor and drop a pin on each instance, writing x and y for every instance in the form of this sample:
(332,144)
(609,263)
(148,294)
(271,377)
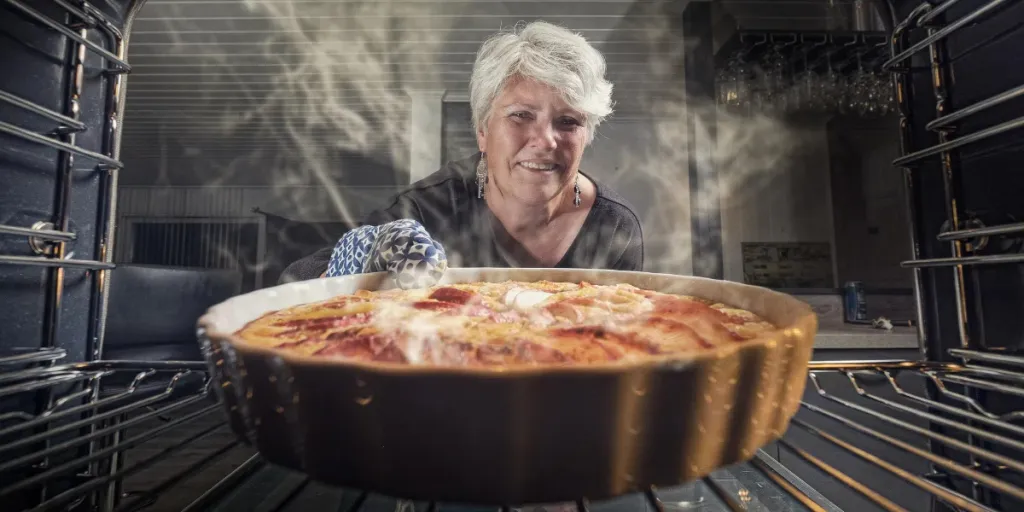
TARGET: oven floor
(272,488)
(189,489)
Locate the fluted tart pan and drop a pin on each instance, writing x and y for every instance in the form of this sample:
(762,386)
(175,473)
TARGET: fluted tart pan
(519,434)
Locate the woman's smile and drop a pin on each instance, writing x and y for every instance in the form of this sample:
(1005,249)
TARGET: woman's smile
(535,165)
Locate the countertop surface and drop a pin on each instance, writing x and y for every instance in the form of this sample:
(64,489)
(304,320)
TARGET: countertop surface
(851,336)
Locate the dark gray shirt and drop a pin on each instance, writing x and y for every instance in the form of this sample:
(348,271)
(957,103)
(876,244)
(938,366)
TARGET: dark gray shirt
(447,205)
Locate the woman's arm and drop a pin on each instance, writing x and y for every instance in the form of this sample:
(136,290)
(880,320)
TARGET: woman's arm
(310,267)
(315,265)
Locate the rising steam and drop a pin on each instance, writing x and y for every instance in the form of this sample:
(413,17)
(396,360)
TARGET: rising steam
(750,151)
(343,66)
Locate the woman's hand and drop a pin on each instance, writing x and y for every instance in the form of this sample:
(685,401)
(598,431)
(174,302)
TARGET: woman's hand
(403,248)
(406,250)
(351,252)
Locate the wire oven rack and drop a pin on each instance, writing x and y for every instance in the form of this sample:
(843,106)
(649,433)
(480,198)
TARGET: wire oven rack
(78,442)
(138,402)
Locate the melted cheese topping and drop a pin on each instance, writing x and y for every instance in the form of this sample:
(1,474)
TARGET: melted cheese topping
(504,324)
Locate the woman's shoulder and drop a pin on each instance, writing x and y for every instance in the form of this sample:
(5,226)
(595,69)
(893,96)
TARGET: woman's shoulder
(432,196)
(453,176)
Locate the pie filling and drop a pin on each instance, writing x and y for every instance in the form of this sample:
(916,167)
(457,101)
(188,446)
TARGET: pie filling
(505,324)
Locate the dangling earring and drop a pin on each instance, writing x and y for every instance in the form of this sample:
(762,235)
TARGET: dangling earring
(481,176)
(576,200)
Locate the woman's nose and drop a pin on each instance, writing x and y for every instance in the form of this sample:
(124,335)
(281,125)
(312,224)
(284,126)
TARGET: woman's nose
(544,136)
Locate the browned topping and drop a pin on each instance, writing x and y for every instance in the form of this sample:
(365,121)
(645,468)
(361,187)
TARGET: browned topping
(528,351)
(373,347)
(566,310)
(293,344)
(324,323)
(432,305)
(582,326)
(678,328)
(495,354)
(343,302)
(454,295)
(668,305)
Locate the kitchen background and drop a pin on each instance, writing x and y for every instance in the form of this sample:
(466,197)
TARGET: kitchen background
(256,129)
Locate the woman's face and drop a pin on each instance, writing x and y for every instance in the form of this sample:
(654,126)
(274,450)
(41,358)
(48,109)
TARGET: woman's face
(533,141)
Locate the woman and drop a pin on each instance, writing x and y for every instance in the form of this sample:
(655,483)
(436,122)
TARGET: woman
(537,96)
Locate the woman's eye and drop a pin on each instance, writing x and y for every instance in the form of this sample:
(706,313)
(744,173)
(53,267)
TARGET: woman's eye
(521,115)
(569,121)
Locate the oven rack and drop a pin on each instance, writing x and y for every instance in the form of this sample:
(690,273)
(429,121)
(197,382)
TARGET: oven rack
(171,397)
(74,449)
(48,238)
(941,121)
(876,381)
(50,415)
(928,16)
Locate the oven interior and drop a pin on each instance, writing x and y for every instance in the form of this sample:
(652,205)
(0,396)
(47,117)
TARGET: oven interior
(102,407)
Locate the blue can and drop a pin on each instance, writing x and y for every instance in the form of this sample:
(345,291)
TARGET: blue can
(854,302)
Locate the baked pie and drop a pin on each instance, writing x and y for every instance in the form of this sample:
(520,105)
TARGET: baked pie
(511,323)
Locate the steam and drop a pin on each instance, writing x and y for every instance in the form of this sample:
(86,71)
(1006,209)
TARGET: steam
(751,149)
(418,329)
(342,69)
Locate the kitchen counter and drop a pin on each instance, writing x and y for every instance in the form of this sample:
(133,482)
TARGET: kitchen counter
(850,336)
(834,333)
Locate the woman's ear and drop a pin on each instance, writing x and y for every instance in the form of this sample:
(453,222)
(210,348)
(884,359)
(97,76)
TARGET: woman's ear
(481,140)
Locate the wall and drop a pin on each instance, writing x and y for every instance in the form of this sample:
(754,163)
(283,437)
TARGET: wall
(306,204)
(631,157)
(871,225)
(837,185)
(788,200)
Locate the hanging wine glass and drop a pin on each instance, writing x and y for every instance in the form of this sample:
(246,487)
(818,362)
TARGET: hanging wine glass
(736,80)
(724,87)
(773,80)
(863,82)
(886,95)
(806,86)
(830,88)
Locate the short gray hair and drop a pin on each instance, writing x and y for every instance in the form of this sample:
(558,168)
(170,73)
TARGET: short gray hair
(550,55)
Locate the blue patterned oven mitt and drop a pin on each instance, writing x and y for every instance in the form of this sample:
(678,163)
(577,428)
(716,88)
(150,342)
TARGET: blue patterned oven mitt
(403,248)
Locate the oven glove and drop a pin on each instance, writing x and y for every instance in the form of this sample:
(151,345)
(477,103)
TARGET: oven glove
(403,248)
